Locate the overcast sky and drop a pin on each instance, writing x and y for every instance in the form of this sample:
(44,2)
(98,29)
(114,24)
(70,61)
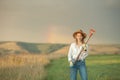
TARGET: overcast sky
(54,21)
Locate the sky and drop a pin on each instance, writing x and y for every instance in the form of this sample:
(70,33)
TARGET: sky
(54,21)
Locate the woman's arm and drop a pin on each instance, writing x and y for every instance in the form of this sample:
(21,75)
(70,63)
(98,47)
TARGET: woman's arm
(70,53)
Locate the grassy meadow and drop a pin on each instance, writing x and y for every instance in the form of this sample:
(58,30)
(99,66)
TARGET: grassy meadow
(99,67)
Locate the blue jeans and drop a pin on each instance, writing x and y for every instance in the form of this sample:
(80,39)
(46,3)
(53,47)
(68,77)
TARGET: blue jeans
(81,67)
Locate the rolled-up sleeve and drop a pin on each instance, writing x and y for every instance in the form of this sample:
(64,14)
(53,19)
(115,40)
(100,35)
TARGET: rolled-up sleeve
(84,53)
(70,53)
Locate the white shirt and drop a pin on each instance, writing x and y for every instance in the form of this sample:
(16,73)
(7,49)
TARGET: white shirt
(74,50)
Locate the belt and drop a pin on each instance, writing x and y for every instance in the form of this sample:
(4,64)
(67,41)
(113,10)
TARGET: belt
(79,60)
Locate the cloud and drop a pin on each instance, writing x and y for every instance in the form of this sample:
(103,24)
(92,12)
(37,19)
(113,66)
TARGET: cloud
(28,20)
(113,4)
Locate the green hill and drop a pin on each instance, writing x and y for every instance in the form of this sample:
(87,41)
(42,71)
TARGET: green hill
(25,47)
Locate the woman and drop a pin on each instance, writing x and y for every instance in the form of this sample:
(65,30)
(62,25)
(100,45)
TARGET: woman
(74,50)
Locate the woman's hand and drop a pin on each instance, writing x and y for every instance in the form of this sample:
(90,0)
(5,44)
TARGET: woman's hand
(84,47)
(71,63)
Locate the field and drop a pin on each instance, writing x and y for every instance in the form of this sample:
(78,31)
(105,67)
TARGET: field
(23,67)
(99,67)
(32,61)
(50,67)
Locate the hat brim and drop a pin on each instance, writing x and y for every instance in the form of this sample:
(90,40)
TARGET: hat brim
(83,34)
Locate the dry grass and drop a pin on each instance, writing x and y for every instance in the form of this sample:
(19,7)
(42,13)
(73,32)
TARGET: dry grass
(10,46)
(23,59)
(26,66)
(14,60)
(23,67)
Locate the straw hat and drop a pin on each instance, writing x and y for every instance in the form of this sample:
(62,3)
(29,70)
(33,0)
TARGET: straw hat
(79,31)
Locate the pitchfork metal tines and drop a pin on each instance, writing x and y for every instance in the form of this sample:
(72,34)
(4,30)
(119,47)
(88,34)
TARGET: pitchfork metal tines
(90,34)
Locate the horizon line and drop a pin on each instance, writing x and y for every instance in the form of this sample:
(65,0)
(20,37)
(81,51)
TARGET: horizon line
(63,43)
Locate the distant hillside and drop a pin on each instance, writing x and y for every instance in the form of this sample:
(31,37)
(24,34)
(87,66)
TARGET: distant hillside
(24,47)
(45,48)
(104,49)
(95,49)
